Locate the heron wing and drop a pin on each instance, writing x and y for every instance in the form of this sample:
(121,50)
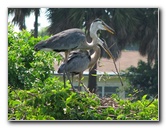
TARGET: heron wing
(78,62)
(61,69)
(66,40)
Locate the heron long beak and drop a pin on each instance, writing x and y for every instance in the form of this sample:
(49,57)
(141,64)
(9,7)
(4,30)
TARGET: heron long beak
(106,49)
(109,29)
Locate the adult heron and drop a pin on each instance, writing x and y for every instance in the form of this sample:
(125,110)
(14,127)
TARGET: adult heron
(73,39)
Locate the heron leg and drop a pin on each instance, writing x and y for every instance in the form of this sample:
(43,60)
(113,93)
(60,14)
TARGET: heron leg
(64,79)
(79,81)
(64,75)
(68,76)
(66,56)
(72,77)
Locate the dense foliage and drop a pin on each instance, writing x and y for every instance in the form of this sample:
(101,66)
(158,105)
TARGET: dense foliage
(34,93)
(52,102)
(143,79)
(25,66)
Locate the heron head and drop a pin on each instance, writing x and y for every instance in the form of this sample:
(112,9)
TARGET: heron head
(42,46)
(39,46)
(99,24)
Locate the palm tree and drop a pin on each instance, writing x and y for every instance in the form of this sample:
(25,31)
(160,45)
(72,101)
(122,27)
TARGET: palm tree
(138,25)
(19,16)
(148,39)
(37,13)
(64,18)
(21,13)
(133,25)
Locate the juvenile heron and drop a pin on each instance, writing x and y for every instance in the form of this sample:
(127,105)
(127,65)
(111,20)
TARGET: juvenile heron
(78,62)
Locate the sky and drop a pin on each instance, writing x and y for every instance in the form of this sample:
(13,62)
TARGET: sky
(30,21)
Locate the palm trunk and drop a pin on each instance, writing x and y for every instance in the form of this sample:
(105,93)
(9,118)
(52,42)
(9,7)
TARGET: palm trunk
(92,83)
(36,23)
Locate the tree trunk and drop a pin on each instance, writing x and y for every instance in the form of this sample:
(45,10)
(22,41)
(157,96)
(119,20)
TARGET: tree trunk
(92,83)
(36,23)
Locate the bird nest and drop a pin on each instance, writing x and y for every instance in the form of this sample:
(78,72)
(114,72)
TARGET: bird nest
(107,102)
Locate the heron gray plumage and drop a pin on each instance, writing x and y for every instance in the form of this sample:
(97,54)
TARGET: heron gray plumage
(73,39)
(78,62)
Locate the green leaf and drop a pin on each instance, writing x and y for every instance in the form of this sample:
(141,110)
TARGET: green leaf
(16,102)
(121,117)
(144,97)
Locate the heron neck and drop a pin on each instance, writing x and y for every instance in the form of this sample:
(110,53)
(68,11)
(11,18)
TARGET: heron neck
(95,39)
(95,56)
(93,33)
(92,44)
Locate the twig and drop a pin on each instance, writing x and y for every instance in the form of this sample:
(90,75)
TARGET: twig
(152,100)
(117,71)
(111,45)
(115,63)
(101,107)
(104,107)
(85,87)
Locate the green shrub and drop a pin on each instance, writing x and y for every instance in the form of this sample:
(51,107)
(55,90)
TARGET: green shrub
(25,66)
(42,102)
(53,102)
(142,109)
(143,79)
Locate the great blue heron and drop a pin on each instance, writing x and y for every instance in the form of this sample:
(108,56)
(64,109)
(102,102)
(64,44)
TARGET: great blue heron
(73,39)
(79,62)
